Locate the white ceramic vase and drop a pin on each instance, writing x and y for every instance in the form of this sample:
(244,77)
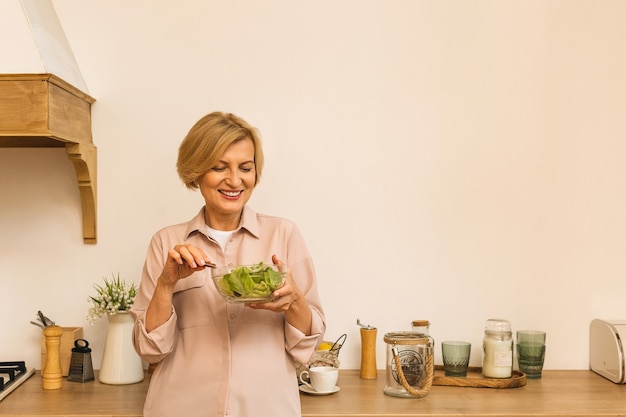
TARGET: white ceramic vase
(120,363)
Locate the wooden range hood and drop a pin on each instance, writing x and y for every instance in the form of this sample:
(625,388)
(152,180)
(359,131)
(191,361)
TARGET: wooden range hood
(44,111)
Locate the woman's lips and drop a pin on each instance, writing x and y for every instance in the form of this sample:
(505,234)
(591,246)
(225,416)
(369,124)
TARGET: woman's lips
(231,194)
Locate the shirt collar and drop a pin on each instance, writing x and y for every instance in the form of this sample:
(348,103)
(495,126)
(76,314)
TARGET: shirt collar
(248,222)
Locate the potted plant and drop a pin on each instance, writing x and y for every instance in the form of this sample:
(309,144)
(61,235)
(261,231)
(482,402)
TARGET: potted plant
(113,297)
(120,362)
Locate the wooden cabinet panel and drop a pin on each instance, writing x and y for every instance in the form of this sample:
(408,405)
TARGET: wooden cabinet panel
(42,110)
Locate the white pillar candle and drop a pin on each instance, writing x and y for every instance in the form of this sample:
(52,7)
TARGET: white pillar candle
(498,358)
(497,349)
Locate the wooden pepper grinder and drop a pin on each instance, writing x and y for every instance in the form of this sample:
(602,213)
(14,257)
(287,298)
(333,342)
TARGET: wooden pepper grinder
(368,351)
(51,373)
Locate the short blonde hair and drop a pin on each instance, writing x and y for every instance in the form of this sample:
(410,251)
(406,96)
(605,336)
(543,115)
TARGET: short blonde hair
(206,142)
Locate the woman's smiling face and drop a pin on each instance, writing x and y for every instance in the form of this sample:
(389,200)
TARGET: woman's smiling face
(228,186)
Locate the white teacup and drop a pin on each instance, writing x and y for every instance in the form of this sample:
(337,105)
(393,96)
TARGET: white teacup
(323,378)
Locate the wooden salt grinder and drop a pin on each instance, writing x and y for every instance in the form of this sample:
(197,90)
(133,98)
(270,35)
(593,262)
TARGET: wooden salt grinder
(368,353)
(51,373)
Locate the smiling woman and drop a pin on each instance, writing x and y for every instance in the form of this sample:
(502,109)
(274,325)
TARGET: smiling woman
(207,142)
(183,323)
(228,186)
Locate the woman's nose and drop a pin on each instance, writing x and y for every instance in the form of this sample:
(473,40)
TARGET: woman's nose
(233,177)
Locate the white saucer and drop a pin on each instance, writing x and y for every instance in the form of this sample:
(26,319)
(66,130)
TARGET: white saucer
(311,391)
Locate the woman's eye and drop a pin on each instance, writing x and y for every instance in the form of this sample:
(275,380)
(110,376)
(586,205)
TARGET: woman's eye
(244,169)
(218,169)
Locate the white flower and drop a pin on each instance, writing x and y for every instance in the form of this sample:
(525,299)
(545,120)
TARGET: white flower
(114,296)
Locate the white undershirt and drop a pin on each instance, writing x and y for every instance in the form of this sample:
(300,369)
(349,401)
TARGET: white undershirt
(220,235)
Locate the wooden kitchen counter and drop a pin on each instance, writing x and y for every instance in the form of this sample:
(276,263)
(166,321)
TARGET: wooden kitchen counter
(558,393)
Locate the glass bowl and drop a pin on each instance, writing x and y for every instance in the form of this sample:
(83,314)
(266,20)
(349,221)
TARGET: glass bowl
(248,283)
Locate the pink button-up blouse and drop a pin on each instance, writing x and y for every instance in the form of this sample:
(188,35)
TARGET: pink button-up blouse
(221,359)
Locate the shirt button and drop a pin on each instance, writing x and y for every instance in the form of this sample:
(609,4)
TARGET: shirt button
(233,316)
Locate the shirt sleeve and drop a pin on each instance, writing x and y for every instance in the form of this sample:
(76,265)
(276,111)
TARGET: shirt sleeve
(155,345)
(300,346)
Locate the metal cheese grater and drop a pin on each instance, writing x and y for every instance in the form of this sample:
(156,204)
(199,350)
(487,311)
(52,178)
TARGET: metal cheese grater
(81,368)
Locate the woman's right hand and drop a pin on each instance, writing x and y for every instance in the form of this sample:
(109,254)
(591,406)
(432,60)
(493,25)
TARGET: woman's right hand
(182,261)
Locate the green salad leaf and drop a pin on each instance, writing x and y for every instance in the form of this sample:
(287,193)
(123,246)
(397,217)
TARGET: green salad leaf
(256,281)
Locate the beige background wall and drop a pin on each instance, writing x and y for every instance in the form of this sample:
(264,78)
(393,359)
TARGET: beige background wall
(445,160)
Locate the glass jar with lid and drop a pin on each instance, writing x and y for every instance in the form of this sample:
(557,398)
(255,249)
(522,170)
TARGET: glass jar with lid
(420,326)
(497,349)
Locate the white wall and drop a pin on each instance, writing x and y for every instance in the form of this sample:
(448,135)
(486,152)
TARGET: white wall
(445,160)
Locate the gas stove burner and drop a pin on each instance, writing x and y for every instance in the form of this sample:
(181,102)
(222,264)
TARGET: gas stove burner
(12,374)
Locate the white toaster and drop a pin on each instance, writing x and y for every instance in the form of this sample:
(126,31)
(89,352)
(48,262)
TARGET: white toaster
(606,351)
